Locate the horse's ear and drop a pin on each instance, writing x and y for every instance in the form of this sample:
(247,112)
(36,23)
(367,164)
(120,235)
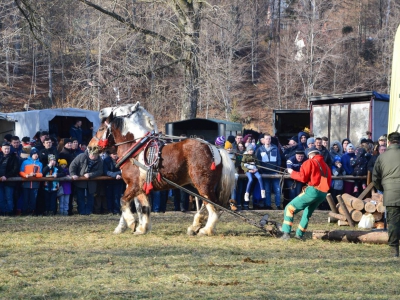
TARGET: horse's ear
(135,107)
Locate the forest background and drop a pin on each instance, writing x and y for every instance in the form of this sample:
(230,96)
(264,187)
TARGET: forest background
(228,59)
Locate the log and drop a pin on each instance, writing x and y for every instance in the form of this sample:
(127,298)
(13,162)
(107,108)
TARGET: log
(353,202)
(331,203)
(342,223)
(377,197)
(372,237)
(377,216)
(355,214)
(337,216)
(369,207)
(380,207)
(343,206)
(366,191)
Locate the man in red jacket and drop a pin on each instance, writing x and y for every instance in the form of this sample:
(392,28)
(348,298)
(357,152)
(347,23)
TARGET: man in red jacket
(317,175)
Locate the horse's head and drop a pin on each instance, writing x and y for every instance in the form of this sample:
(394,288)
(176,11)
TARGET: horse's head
(103,138)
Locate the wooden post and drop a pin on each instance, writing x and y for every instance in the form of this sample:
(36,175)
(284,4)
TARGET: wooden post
(366,191)
(331,203)
(343,206)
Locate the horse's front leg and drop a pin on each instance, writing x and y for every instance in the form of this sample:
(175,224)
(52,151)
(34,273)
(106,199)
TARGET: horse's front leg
(209,229)
(197,221)
(144,214)
(127,218)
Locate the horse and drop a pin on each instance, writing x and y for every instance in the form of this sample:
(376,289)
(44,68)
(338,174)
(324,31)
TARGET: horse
(189,161)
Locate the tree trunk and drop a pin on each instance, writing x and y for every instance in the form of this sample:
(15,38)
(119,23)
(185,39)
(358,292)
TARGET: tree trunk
(379,237)
(353,202)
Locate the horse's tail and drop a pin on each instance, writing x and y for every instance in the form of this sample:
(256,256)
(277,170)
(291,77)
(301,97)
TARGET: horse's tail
(227,183)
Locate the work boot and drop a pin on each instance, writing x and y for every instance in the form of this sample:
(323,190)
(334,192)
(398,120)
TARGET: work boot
(285,236)
(394,251)
(299,238)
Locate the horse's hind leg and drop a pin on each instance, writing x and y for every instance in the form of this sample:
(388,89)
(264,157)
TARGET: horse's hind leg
(209,229)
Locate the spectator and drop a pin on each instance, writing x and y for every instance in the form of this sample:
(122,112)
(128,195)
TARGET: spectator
(47,151)
(75,148)
(359,165)
(323,151)
(238,139)
(88,165)
(345,142)
(302,140)
(9,167)
(31,167)
(76,132)
(317,175)
(16,145)
(66,189)
(325,142)
(379,149)
(113,187)
(50,187)
(241,182)
(220,141)
(250,168)
(336,150)
(348,185)
(385,178)
(310,142)
(293,186)
(290,149)
(337,184)
(67,152)
(39,145)
(383,140)
(7,138)
(269,158)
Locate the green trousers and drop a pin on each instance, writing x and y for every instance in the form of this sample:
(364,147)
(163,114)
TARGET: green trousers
(393,220)
(307,201)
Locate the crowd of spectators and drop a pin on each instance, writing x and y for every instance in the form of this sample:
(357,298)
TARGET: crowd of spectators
(45,156)
(268,156)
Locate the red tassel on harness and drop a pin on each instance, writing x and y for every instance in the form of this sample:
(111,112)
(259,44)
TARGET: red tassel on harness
(149,188)
(103,143)
(159,177)
(213,166)
(145,186)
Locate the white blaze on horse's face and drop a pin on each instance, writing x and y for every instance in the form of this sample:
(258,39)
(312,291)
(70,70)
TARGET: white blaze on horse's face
(105,112)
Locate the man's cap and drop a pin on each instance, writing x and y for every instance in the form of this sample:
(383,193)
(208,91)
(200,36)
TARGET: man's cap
(294,138)
(364,141)
(8,137)
(51,157)
(44,132)
(5,144)
(382,138)
(26,139)
(394,137)
(93,150)
(34,151)
(299,151)
(350,145)
(310,140)
(249,147)
(312,150)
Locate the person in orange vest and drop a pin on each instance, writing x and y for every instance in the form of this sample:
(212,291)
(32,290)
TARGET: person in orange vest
(317,175)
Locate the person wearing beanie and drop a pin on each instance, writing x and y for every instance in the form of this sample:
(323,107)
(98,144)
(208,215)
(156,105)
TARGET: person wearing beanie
(382,140)
(220,141)
(9,167)
(345,142)
(385,178)
(31,167)
(317,175)
(228,145)
(347,162)
(67,152)
(50,187)
(310,142)
(249,162)
(65,187)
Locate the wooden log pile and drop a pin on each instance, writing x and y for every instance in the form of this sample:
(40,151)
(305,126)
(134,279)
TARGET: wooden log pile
(350,210)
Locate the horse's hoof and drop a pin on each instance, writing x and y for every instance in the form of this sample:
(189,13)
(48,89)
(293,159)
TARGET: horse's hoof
(133,227)
(204,232)
(191,232)
(138,233)
(119,230)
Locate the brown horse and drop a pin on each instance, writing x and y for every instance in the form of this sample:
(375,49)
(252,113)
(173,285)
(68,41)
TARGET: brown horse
(190,161)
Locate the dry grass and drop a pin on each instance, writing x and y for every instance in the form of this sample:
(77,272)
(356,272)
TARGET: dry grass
(79,258)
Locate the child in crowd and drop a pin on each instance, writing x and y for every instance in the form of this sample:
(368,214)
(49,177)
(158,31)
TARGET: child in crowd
(31,167)
(50,187)
(359,164)
(250,168)
(337,170)
(65,186)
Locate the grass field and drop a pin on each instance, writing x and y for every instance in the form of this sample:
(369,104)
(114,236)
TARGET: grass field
(79,258)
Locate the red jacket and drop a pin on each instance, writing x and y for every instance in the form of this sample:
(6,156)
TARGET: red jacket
(310,172)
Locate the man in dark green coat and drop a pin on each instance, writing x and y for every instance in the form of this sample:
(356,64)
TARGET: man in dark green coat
(386,178)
